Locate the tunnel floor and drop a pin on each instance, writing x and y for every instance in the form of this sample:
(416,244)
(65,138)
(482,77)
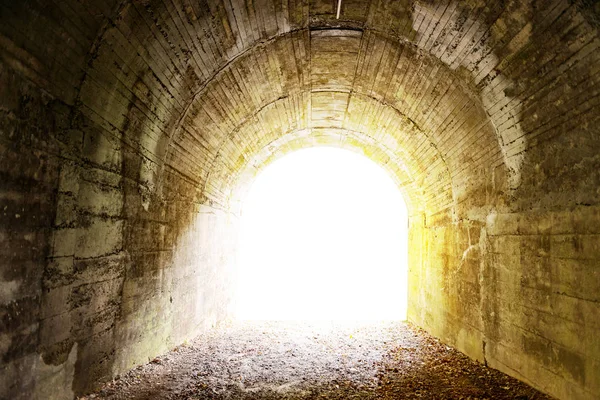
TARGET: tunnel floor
(287,360)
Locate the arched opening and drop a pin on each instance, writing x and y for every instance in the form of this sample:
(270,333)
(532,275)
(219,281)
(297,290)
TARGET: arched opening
(323,236)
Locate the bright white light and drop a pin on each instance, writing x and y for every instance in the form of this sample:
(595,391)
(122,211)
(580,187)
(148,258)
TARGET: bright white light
(323,237)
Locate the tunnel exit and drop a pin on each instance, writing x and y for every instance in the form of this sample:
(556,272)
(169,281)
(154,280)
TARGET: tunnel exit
(323,237)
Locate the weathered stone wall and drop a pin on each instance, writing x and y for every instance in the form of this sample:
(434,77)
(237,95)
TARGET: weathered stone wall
(100,268)
(517,282)
(128,131)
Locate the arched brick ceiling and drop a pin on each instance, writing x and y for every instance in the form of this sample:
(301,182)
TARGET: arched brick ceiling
(245,109)
(236,185)
(202,88)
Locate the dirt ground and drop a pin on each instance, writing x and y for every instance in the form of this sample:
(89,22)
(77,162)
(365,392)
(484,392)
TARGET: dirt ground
(297,360)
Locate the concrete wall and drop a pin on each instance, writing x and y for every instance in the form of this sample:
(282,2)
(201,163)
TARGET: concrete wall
(129,129)
(519,293)
(516,285)
(100,268)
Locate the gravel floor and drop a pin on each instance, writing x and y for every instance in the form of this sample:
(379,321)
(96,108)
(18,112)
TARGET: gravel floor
(285,360)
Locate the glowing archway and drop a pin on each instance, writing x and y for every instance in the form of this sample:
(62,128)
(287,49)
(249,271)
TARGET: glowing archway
(323,236)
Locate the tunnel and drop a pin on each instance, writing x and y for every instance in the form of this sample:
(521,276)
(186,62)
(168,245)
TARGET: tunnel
(131,130)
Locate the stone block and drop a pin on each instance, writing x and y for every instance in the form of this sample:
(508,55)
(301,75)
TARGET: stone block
(101,237)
